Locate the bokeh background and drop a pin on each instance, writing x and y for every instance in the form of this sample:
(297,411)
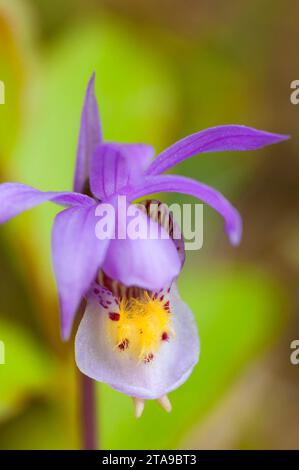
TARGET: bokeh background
(165,68)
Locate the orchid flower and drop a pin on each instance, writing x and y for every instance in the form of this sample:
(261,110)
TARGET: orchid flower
(136,334)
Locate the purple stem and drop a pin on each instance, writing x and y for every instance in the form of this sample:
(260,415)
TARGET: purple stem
(88,402)
(88,413)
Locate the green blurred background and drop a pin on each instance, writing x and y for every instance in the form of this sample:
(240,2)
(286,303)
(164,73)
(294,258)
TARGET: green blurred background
(165,68)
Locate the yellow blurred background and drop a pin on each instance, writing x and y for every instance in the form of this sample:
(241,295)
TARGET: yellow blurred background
(164,69)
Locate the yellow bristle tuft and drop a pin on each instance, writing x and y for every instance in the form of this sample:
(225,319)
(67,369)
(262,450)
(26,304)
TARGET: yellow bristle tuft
(143,323)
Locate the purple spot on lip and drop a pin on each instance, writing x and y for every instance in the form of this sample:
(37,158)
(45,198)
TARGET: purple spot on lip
(124,345)
(96,291)
(148,358)
(165,336)
(114,316)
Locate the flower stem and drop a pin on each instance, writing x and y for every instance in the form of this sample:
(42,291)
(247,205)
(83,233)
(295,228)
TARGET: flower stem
(88,417)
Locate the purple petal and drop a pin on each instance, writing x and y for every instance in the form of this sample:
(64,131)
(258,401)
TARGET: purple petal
(144,262)
(215,139)
(114,166)
(97,358)
(181,184)
(139,157)
(89,137)
(109,171)
(77,256)
(16,198)
(161,214)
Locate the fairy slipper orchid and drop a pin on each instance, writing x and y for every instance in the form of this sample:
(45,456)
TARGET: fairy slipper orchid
(143,343)
(136,334)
